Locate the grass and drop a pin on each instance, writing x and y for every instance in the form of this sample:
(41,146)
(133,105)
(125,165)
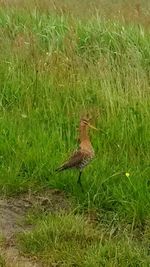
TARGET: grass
(55,67)
(69,240)
(2,261)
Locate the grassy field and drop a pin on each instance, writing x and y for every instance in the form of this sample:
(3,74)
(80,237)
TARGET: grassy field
(58,62)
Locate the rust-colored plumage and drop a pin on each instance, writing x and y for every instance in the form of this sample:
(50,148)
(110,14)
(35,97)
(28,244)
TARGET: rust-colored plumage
(84,154)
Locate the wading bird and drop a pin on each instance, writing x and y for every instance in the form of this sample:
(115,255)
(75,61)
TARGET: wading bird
(84,154)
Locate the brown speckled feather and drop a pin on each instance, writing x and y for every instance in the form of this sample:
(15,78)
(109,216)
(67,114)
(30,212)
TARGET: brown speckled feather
(75,161)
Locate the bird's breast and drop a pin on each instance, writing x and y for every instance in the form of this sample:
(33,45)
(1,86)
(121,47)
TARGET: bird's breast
(87,157)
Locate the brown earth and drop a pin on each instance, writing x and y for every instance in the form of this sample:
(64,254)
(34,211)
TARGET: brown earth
(13,214)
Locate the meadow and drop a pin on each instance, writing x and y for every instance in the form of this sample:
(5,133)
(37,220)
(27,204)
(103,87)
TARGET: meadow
(58,62)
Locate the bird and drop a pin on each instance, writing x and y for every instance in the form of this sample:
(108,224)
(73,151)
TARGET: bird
(84,154)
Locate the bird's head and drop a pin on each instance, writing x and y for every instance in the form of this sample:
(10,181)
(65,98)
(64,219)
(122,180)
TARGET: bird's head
(85,122)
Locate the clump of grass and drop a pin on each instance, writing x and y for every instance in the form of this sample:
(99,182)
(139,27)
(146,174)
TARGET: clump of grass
(70,240)
(65,236)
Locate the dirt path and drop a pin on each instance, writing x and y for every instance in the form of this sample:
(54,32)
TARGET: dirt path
(13,212)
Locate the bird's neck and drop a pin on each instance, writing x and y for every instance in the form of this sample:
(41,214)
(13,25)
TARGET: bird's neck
(85,143)
(84,136)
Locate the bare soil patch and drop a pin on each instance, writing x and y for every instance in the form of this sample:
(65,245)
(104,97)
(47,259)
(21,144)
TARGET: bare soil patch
(13,212)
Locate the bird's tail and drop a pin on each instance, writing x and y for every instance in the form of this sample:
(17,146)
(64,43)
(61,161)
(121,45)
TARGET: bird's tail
(61,168)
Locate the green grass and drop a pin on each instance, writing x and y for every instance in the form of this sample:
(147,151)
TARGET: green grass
(53,69)
(2,262)
(70,241)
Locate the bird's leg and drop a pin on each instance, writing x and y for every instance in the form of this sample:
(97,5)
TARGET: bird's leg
(79,181)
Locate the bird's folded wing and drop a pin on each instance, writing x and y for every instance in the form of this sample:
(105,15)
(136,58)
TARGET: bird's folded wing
(74,161)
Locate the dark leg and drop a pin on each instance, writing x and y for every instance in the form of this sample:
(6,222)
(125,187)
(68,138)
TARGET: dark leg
(79,181)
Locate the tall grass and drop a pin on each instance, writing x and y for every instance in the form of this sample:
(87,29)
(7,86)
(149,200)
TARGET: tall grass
(53,69)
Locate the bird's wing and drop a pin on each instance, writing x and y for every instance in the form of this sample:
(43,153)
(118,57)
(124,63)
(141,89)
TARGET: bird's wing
(74,161)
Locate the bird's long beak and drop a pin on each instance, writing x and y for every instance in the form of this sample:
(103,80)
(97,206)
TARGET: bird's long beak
(91,126)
